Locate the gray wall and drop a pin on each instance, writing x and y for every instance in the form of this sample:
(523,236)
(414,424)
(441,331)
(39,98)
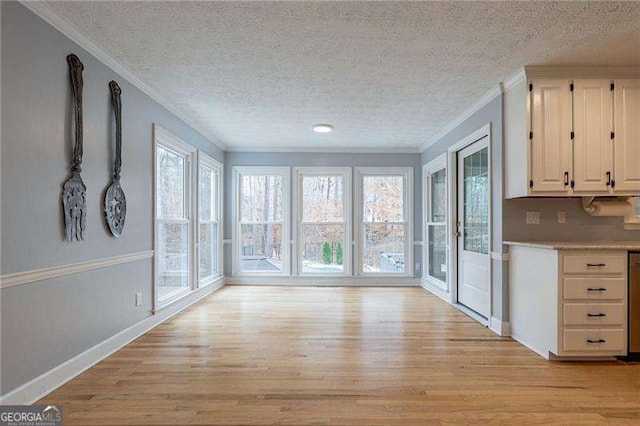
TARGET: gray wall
(293,159)
(45,323)
(490,113)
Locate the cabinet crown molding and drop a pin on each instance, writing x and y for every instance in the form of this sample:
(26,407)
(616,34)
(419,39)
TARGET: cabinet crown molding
(571,72)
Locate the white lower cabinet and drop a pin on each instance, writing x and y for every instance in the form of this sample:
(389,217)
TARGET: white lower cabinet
(569,303)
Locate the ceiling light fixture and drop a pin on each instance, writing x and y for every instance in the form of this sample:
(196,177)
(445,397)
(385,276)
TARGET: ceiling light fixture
(322,128)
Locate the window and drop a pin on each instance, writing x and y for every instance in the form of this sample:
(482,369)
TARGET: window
(209,213)
(173,207)
(384,216)
(187,246)
(435,225)
(323,206)
(261,237)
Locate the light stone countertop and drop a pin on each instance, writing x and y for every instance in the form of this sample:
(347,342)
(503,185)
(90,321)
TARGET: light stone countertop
(579,245)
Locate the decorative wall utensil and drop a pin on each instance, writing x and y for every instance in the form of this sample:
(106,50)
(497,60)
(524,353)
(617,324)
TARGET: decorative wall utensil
(74,200)
(115,203)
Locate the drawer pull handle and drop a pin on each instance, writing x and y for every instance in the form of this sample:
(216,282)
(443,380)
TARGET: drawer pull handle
(596,265)
(596,289)
(597,315)
(596,341)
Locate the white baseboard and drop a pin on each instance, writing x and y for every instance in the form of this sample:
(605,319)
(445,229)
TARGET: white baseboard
(324,281)
(438,291)
(501,328)
(46,383)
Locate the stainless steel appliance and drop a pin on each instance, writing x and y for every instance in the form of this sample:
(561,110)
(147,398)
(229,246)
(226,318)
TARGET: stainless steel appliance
(634,303)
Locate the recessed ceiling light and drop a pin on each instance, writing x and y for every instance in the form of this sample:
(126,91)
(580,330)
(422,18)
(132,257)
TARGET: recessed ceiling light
(322,128)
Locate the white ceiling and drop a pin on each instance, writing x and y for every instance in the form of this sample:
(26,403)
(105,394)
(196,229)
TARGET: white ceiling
(384,74)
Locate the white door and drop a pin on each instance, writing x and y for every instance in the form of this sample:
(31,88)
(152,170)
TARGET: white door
(551,153)
(593,146)
(626,143)
(473,227)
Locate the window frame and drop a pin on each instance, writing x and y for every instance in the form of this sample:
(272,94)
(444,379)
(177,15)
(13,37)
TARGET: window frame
(632,221)
(285,172)
(407,174)
(217,168)
(299,174)
(436,165)
(170,142)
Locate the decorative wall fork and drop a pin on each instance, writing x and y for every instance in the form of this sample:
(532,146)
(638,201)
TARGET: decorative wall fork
(74,199)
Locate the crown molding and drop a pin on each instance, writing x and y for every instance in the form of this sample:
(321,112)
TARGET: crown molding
(326,150)
(488,96)
(515,78)
(45,12)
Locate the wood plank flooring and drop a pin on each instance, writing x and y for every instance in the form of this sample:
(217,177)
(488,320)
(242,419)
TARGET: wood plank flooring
(340,356)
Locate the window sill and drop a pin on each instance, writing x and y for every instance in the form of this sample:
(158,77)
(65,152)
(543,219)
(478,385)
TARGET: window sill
(171,300)
(210,280)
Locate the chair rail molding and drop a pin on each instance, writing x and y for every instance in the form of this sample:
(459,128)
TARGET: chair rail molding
(18,278)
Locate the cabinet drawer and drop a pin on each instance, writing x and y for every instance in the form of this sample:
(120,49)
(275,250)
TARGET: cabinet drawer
(594,288)
(593,314)
(594,264)
(593,340)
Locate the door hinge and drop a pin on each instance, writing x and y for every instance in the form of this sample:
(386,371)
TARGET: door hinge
(530,87)
(530,135)
(613,135)
(572,135)
(531,184)
(612,86)
(571,87)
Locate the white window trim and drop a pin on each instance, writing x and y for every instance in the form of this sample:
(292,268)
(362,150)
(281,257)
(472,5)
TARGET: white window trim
(173,143)
(436,165)
(217,167)
(285,172)
(632,222)
(299,173)
(407,173)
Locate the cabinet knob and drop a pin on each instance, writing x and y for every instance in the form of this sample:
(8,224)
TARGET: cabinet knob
(596,341)
(597,315)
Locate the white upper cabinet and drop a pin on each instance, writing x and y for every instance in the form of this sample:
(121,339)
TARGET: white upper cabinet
(550,136)
(572,132)
(593,127)
(626,141)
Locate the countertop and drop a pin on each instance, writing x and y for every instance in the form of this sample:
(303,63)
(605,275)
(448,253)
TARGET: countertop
(579,245)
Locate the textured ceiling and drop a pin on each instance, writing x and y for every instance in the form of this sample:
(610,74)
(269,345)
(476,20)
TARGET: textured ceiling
(384,74)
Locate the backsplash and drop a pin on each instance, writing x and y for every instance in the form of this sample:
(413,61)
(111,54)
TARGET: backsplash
(579,226)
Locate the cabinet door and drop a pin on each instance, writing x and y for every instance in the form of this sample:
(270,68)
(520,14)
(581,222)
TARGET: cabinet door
(592,145)
(551,142)
(626,144)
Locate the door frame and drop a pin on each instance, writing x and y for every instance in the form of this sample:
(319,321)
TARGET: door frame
(452,215)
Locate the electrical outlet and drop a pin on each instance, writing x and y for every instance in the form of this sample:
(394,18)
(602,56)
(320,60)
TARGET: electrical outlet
(533,218)
(562,217)
(138,299)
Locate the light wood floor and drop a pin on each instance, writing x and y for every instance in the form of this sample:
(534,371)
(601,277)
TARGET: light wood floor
(334,356)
